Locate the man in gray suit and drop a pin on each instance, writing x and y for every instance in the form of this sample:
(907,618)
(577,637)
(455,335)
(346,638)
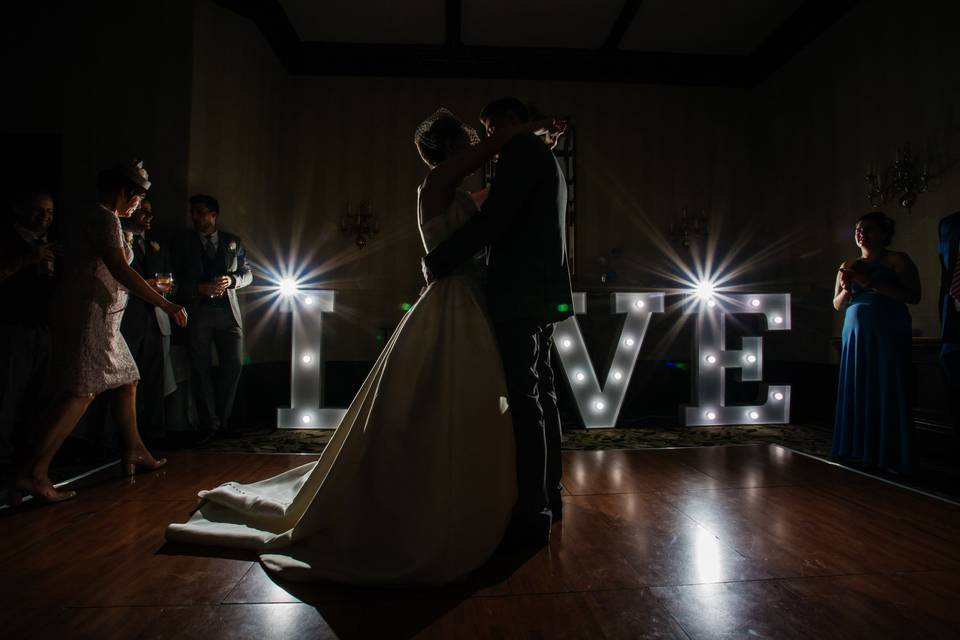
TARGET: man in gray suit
(209,266)
(528,290)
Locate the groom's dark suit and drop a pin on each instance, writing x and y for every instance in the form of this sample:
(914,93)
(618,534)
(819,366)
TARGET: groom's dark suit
(950,312)
(528,289)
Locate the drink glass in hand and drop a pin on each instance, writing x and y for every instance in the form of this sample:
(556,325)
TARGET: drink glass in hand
(164,283)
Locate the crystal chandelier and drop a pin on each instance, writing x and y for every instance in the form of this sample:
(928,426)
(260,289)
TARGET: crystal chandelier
(360,222)
(902,181)
(688,228)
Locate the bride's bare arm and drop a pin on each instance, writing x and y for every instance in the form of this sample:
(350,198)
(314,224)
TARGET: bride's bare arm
(451,172)
(440,183)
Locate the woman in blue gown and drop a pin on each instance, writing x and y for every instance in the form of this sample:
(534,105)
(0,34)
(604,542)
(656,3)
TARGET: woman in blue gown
(873,420)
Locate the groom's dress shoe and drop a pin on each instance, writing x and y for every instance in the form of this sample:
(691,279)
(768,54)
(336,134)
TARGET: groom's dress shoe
(556,509)
(529,532)
(556,503)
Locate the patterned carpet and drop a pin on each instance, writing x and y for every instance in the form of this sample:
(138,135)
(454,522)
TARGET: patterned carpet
(806,438)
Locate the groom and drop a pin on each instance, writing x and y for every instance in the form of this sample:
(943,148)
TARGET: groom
(528,289)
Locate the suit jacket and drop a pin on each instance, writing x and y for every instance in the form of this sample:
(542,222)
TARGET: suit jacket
(949,316)
(147,262)
(28,287)
(187,253)
(524,222)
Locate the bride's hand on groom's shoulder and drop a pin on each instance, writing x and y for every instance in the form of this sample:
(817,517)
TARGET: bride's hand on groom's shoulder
(548,129)
(553,126)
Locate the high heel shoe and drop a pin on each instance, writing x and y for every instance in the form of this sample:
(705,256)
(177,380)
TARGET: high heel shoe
(141,462)
(18,488)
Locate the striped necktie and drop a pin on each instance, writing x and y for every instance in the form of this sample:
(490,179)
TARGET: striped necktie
(208,246)
(955,280)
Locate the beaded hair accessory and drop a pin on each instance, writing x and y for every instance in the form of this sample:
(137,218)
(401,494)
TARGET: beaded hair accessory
(426,137)
(134,171)
(139,168)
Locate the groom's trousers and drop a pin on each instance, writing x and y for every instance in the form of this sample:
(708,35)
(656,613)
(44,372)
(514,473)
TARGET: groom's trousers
(525,349)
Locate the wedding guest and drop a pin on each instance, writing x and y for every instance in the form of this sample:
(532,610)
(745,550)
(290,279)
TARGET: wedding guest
(210,265)
(873,419)
(90,356)
(27,263)
(950,312)
(147,328)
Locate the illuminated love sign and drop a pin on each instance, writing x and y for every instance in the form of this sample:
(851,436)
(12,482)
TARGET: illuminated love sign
(599,406)
(711,359)
(306,364)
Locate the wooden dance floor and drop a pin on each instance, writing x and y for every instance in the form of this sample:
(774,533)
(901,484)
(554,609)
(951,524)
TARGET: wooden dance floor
(726,542)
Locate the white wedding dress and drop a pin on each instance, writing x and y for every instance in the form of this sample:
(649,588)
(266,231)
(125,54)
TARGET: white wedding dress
(417,483)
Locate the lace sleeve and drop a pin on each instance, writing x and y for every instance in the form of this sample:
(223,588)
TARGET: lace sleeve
(104,231)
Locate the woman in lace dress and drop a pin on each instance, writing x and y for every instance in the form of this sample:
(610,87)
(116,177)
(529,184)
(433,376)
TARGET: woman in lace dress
(89,354)
(418,482)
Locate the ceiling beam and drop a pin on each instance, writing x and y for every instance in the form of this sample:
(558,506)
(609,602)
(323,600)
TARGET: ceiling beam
(274,24)
(606,64)
(810,20)
(627,13)
(454,22)
(587,65)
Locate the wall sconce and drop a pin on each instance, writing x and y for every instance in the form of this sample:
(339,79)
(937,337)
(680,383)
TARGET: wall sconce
(360,222)
(902,181)
(688,228)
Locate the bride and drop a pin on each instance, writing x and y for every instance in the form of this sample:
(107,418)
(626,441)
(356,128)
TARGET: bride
(417,484)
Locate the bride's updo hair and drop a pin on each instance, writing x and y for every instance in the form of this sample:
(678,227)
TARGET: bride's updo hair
(435,132)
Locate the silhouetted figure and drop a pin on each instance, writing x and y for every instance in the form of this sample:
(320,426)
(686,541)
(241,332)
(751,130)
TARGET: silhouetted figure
(145,327)
(528,290)
(210,265)
(873,418)
(950,312)
(89,354)
(27,263)
(429,421)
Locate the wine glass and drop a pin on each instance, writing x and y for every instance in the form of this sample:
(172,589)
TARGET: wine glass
(164,282)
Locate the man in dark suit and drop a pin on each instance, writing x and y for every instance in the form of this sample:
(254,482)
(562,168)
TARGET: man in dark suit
(210,265)
(950,311)
(27,266)
(528,290)
(147,328)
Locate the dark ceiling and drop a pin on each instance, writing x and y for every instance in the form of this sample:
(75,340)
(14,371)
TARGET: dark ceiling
(693,42)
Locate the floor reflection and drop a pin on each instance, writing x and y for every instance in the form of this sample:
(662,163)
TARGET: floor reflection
(707,556)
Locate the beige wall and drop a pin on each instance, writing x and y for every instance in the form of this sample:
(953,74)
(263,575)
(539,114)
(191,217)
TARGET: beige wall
(197,92)
(779,167)
(884,75)
(286,154)
(113,79)
(238,134)
(128,95)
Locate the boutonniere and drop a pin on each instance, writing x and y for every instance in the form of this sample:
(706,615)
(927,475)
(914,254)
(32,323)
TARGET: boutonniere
(154,246)
(232,246)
